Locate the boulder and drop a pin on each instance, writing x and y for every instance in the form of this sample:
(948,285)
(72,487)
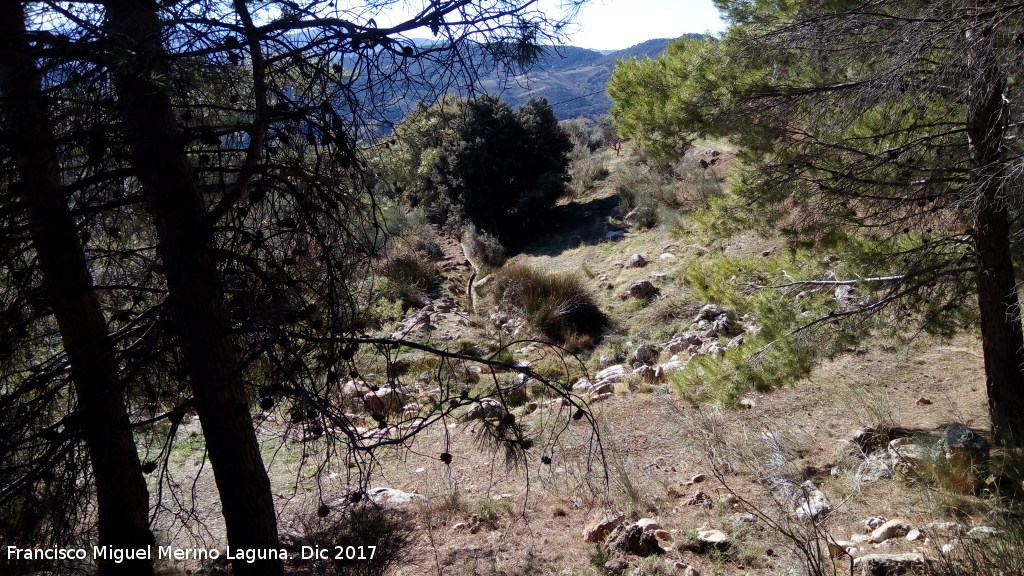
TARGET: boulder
(354,389)
(614,374)
(907,455)
(601,526)
(384,401)
(891,529)
(888,564)
(876,466)
(487,408)
(710,312)
(649,524)
(636,261)
(393,497)
(636,541)
(645,355)
(686,342)
(643,290)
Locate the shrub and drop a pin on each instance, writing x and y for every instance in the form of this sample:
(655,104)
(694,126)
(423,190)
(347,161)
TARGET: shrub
(482,246)
(555,305)
(411,276)
(390,531)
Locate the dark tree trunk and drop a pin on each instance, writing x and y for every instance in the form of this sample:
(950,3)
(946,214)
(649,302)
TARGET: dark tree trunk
(998,303)
(196,298)
(121,494)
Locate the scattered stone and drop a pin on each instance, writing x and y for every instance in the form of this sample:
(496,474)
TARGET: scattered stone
(635,540)
(459,526)
(715,349)
(915,535)
(950,528)
(888,564)
(596,398)
(907,455)
(354,389)
(642,289)
(645,355)
(713,540)
(697,479)
(891,529)
(983,532)
(922,401)
(686,342)
(710,312)
(874,522)
(745,518)
(806,501)
(487,408)
(728,499)
(748,403)
(701,499)
(646,373)
(393,497)
(661,371)
(648,524)
(614,374)
(636,261)
(601,526)
(876,466)
(668,256)
(384,401)
(687,569)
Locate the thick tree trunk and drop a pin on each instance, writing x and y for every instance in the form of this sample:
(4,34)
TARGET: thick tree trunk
(1001,333)
(196,298)
(121,494)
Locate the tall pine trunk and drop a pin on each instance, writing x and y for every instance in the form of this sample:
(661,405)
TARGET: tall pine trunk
(998,303)
(196,298)
(121,494)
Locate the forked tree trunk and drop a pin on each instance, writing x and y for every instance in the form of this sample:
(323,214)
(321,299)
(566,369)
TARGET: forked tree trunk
(196,297)
(121,494)
(998,302)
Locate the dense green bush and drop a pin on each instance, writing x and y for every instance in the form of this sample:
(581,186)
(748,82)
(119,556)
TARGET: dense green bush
(556,305)
(480,161)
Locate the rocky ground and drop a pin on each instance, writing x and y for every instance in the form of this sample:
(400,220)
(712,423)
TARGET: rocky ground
(876,463)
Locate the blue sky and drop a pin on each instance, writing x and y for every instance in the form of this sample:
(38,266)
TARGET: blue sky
(615,24)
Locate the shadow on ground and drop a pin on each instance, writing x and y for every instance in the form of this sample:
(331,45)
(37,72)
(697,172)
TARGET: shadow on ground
(574,224)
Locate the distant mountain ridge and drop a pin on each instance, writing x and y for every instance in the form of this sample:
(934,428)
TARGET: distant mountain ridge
(572,79)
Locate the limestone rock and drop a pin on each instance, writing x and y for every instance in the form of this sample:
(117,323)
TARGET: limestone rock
(636,261)
(384,401)
(486,408)
(635,540)
(601,526)
(906,455)
(891,529)
(649,524)
(888,564)
(642,290)
(393,497)
(876,466)
(645,355)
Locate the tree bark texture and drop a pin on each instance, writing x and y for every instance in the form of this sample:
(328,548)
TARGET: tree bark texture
(121,493)
(196,298)
(998,302)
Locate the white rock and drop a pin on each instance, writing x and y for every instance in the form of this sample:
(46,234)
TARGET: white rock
(393,497)
(891,529)
(648,524)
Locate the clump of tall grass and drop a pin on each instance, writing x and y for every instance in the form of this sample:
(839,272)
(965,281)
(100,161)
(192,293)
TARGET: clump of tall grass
(556,305)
